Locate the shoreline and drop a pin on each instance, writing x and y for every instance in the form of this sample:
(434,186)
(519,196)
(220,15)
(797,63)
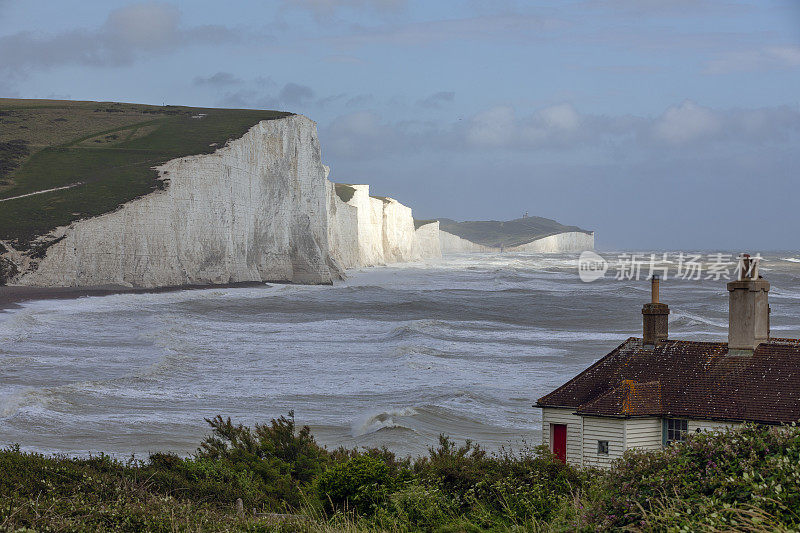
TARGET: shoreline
(12,296)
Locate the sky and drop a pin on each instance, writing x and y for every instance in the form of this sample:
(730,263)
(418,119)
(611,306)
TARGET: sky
(659,124)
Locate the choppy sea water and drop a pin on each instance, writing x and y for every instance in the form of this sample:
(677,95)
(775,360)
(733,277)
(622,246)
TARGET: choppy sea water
(392,356)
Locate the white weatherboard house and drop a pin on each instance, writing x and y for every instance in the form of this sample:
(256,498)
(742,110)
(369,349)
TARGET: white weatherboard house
(651,391)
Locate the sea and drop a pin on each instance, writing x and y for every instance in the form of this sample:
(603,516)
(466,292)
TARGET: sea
(392,356)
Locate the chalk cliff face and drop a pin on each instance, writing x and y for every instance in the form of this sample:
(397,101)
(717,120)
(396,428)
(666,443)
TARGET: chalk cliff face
(368,231)
(370,226)
(343,231)
(428,242)
(570,241)
(453,244)
(399,235)
(254,210)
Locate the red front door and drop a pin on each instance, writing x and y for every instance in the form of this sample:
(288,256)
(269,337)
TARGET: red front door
(560,441)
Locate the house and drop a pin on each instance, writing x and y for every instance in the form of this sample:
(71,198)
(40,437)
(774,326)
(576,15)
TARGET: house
(652,391)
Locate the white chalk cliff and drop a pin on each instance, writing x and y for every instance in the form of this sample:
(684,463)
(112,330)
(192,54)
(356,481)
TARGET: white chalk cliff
(454,244)
(384,231)
(253,210)
(259,209)
(569,241)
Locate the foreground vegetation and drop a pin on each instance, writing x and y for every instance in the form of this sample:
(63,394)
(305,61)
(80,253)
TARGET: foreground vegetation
(276,478)
(105,151)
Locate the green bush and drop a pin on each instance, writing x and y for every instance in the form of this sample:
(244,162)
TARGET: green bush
(709,480)
(266,466)
(422,505)
(500,488)
(360,484)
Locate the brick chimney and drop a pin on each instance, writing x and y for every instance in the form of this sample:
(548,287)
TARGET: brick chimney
(748,312)
(654,318)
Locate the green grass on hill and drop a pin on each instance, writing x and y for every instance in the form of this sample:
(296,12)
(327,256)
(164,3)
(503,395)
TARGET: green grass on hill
(109,148)
(510,233)
(418,223)
(344,191)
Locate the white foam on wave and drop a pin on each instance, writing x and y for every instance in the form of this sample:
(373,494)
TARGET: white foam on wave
(783,294)
(679,318)
(11,401)
(493,332)
(378,420)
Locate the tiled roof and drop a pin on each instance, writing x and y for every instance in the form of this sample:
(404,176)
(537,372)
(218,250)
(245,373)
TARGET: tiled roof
(688,380)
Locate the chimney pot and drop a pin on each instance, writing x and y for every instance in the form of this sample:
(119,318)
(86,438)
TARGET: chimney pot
(654,287)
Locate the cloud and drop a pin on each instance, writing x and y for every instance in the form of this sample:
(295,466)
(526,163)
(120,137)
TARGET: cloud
(265,93)
(689,123)
(295,94)
(323,8)
(683,130)
(290,96)
(500,127)
(360,100)
(504,28)
(560,117)
(344,59)
(437,100)
(494,127)
(220,79)
(681,8)
(364,134)
(128,32)
(767,58)
(146,26)
(686,122)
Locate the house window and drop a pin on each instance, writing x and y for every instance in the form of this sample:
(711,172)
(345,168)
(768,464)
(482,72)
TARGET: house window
(674,429)
(602,447)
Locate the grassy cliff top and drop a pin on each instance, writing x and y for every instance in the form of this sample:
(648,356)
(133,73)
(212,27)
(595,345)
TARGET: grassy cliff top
(510,233)
(98,154)
(344,191)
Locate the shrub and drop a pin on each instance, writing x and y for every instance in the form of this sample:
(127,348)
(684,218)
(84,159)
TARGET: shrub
(361,484)
(422,505)
(500,488)
(713,477)
(266,466)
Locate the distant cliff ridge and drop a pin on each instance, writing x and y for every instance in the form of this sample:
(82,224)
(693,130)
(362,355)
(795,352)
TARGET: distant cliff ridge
(508,234)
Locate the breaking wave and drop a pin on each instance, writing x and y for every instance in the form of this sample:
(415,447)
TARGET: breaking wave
(382,420)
